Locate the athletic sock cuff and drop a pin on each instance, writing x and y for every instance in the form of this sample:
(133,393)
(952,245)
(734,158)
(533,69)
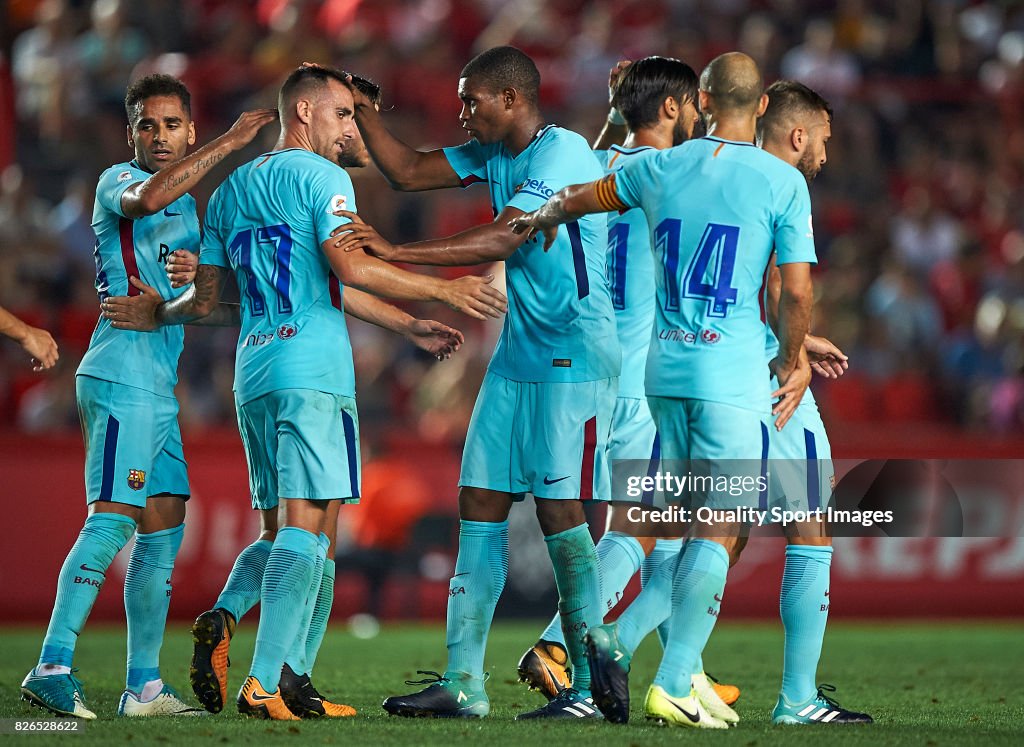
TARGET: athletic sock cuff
(820,553)
(482,528)
(568,533)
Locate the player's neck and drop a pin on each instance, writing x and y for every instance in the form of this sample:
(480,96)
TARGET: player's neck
(293,137)
(740,129)
(522,134)
(648,137)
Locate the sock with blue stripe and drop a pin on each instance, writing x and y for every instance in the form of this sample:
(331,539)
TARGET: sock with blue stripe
(652,607)
(296,657)
(664,549)
(619,556)
(242,590)
(803,606)
(84,570)
(286,584)
(321,614)
(479,578)
(696,599)
(147,595)
(578,580)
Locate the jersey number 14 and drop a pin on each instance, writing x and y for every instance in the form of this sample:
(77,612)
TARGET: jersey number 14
(709,275)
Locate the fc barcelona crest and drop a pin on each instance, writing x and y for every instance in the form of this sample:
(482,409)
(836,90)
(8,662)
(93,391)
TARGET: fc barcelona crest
(136,479)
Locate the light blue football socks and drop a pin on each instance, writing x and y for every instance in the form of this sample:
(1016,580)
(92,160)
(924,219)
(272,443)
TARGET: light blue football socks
(473,592)
(242,590)
(664,550)
(84,570)
(321,614)
(296,657)
(286,584)
(696,599)
(578,580)
(619,556)
(803,606)
(652,606)
(147,595)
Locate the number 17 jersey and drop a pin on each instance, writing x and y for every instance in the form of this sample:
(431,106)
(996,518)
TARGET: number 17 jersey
(267,222)
(715,208)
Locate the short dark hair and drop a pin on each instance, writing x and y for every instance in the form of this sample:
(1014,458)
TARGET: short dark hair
(787,101)
(506,67)
(157,84)
(368,88)
(646,84)
(308,76)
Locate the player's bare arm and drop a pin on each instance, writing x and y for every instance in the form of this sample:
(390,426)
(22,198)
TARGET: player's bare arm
(791,366)
(483,244)
(566,205)
(38,343)
(198,305)
(614,130)
(825,357)
(405,168)
(435,338)
(471,294)
(173,181)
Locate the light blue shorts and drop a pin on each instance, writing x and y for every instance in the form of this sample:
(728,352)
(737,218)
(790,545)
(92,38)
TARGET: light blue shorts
(132,443)
(716,439)
(548,439)
(301,443)
(800,462)
(634,439)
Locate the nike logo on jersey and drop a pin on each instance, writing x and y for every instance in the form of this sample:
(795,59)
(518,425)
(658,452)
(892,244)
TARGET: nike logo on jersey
(169,214)
(549,481)
(84,567)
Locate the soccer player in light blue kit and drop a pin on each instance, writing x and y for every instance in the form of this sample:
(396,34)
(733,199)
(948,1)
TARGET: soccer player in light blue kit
(543,412)
(717,207)
(656,97)
(135,475)
(270,222)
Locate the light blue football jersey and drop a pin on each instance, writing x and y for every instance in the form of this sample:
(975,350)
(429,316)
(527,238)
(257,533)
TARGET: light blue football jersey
(716,209)
(267,222)
(139,247)
(560,326)
(771,346)
(631,278)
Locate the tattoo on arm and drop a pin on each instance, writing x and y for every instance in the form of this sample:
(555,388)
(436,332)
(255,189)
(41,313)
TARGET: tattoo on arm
(198,301)
(199,166)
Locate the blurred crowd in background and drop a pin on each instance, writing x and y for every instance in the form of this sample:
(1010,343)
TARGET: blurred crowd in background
(917,213)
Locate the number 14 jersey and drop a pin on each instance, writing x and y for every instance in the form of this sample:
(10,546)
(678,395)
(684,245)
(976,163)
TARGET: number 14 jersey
(267,222)
(716,208)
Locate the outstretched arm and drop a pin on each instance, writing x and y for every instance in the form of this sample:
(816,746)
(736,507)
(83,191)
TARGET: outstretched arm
(405,168)
(38,343)
(567,205)
(197,305)
(483,244)
(437,339)
(470,294)
(170,183)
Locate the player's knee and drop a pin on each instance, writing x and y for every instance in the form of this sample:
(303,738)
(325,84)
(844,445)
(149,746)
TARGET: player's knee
(559,515)
(736,549)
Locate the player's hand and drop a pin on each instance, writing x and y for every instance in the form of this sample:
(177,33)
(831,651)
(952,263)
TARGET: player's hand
(474,296)
(614,75)
(39,344)
(826,359)
(361,235)
(135,313)
(531,224)
(181,267)
(247,125)
(437,339)
(359,98)
(793,383)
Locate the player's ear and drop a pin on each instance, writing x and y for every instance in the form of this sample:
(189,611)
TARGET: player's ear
(304,110)
(131,137)
(191,133)
(509,96)
(702,101)
(798,138)
(670,107)
(762,105)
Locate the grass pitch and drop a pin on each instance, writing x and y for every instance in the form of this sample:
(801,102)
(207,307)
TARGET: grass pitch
(925,684)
